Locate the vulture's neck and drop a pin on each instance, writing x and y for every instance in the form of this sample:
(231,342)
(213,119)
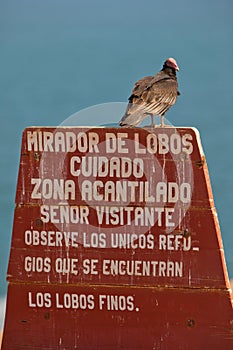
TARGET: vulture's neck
(170,71)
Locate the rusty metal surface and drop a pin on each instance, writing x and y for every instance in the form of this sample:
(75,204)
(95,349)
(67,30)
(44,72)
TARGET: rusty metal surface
(116,243)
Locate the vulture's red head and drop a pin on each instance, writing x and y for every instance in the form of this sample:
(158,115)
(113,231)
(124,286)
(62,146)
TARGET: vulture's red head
(171,62)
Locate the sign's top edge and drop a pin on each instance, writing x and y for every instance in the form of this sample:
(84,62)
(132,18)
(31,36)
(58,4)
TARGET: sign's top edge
(108,127)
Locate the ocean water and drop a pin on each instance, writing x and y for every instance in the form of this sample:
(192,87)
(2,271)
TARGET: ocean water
(59,57)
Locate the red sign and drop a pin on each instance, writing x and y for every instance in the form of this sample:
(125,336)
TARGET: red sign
(116,243)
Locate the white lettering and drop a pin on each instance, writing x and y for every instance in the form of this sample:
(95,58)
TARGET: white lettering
(62,141)
(39,299)
(66,266)
(53,188)
(102,166)
(142,268)
(116,302)
(135,191)
(174,242)
(51,238)
(64,214)
(116,143)
(37,264)
(75,301)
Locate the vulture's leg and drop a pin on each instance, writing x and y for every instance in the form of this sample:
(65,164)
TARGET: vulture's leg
(162,121)
(152,120)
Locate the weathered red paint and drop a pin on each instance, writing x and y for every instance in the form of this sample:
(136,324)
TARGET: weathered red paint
(64,289)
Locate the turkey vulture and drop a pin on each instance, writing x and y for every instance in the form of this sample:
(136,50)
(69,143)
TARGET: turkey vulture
(152,95)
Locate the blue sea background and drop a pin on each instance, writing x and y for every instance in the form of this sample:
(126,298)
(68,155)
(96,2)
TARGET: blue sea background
(58,57)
